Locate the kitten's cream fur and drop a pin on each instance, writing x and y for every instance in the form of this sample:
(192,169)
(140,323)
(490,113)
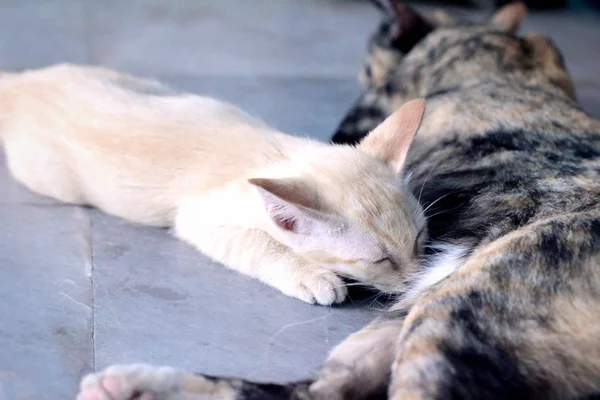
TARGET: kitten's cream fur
(294,213)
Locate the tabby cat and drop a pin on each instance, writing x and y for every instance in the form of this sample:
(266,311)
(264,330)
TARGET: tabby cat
(507,166)
(294,213)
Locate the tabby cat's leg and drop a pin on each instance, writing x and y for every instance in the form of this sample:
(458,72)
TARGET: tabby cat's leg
(125,382)
(519,320)
(215,225)
(359,367)
(147,382)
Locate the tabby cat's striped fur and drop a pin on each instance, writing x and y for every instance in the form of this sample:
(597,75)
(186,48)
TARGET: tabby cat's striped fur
(508,165)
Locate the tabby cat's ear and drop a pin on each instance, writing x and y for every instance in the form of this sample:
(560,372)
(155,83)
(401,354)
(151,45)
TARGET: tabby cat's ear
(510,17)
(391,140)
(290,203)
(408,28)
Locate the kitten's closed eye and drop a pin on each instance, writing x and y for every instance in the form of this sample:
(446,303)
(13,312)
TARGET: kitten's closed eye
(383,260)
(387,262)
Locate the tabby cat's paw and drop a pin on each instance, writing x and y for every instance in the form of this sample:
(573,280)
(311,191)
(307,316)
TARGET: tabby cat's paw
(318,285)
(131,382)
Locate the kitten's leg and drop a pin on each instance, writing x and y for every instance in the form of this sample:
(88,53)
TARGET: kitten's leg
(278,267)
(41,168)
(519,320)
(360,366)
(255,253)
(211,224)
(146,382)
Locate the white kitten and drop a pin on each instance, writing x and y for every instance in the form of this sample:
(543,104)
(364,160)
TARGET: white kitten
(294,213)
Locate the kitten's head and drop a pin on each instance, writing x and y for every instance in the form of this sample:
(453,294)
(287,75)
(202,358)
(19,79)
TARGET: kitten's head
(350,210)
(413,56)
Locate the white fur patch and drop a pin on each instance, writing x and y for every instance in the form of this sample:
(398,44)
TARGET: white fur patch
(437,268)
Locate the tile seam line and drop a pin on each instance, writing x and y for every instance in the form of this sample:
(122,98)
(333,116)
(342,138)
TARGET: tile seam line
(88,32)
(92,282)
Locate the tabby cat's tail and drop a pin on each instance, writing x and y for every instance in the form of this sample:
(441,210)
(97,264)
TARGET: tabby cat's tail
(219,388)
(229,388)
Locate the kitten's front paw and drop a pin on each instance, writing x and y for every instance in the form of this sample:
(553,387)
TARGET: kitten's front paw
(131,382)
(315,285)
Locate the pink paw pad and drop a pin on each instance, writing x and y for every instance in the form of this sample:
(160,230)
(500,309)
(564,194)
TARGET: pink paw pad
(112,388)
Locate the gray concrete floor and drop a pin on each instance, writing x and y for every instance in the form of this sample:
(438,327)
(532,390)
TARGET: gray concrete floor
(80,290)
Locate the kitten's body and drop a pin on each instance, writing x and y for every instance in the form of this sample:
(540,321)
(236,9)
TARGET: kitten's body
(71,132)
(509,166)
(259,201)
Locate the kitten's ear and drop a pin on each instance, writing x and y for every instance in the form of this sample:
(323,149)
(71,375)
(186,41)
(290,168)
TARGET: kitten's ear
(290,203)
(510,17)
(391,140)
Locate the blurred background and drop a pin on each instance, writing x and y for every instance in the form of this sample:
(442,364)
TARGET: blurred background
(80,290)
(532,4)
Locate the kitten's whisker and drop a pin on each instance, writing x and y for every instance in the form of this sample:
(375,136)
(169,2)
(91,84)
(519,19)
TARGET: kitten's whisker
(441,212)
(438,199)
(437,213)
(353,303)
(426,179)
(376,300)
(356,284)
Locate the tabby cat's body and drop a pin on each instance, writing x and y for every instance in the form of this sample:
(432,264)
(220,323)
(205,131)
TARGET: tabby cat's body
(507,166)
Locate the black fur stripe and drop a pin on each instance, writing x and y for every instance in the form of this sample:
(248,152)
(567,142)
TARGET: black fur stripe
(273,391)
